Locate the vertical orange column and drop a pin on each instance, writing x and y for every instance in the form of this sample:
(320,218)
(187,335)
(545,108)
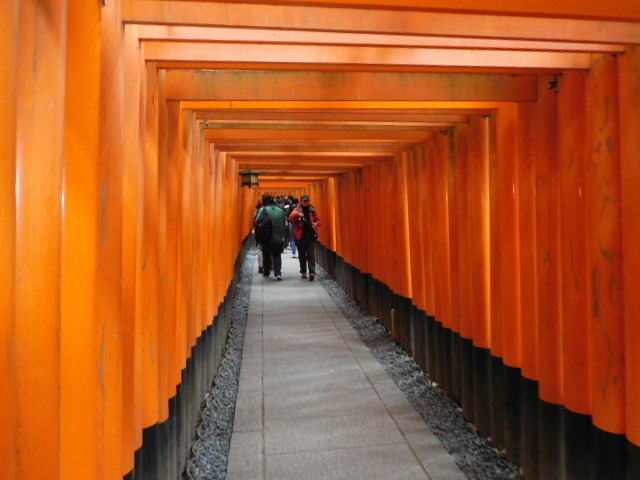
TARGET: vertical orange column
(440,230)
(630,206)
(548,244)
(151,354)
(132,230)
(454,247)
(505,284)
(572,157)
(401,219)
(427,222)
(164,321)
(479,214)
(329,216)
(109,271)
(416,240)
(527,245)
(79,350)
(462,179)
(38,189)
(605,249)
(8,38)
(173,309)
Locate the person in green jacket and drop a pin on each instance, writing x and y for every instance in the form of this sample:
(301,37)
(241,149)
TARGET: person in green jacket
(272,249)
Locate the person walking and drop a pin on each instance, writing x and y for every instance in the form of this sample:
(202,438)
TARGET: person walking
(272,248)
(305,222)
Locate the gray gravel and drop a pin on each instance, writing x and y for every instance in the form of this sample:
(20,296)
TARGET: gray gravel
(477,458)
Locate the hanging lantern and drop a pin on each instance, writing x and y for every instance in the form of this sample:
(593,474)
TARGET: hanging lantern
(249,178)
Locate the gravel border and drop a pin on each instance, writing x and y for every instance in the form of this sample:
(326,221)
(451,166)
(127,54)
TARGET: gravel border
(477,458)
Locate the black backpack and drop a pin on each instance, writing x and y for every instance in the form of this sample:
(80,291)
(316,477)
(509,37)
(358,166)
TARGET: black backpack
(263,229)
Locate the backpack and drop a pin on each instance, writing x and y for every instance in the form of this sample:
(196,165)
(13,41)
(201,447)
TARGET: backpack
(263,229)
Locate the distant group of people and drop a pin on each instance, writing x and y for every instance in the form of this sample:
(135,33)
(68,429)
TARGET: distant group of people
(293,223)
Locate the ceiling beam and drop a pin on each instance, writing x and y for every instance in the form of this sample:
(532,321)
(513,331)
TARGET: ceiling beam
(318,86)
(158,51)
(283,37)
(399,22)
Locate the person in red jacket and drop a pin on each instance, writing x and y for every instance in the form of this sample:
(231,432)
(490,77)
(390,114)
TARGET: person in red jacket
(305,222)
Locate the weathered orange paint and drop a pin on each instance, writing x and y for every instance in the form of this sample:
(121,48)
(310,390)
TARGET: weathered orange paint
(575,287)
(425,201)
(479,212)
(38,190)
(109,268)
(439,217)
(411,22)
(505,275)
(629,66)
(133,178)
(452,195)
(332,86)
(605,248)
(563,8)
(79,352)
(283,36)
(463,222)
(8,414)
(416,222)
(527,162)
(548,244)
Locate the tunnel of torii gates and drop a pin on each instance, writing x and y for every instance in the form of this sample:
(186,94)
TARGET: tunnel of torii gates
(476,166)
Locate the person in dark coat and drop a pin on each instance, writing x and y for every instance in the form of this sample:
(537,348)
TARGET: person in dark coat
(305,222)
(272,249)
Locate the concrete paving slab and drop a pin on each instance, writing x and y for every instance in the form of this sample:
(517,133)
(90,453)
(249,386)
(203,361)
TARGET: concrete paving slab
(248,415)
(350,379)
(323,404)
(246,454)
(286,435)
(389,462)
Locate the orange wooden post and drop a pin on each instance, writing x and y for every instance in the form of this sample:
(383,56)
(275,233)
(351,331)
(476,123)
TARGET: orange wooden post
(463,288)
(38,219)
(548,244)
(452,194)
(8,413)
(479,214)
(79,352)
(151,354)
(427,222)
(572,155)
(605,250)
(527,245)
(441,234)
(401,217)
(173,304)
(132,216)
(505,291)
(416,240)
(109,272)
(630,203)
(164,321)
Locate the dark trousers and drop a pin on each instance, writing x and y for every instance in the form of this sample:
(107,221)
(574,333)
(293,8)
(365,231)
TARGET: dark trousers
(272,251)
(306,253)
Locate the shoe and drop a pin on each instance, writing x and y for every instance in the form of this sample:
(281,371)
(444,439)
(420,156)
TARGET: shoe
(260,269)
(279,277)
(312,276)
(293,256)
(304,275)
